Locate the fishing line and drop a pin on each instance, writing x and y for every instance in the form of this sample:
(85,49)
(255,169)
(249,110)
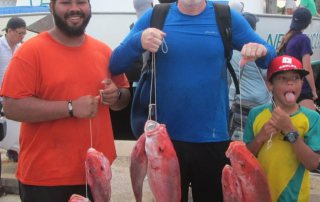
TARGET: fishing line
(153,103)
(265,85)
(269,143)
(91,144)
(164,46)
(90,123)
(153,83)
(240,98)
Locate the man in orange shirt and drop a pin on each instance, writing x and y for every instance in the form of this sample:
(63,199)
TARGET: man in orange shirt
(59,86)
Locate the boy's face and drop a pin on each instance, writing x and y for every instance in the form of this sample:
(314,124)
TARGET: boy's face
(286,88)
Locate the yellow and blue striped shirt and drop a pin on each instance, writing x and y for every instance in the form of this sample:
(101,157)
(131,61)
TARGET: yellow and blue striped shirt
(287,177)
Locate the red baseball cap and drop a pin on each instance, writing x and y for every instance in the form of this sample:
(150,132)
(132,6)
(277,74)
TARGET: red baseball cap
(285,63)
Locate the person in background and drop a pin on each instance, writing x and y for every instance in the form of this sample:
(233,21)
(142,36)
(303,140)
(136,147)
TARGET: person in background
(311,6)
(192,85)
(59,87)
(236,5)
(290,7)
(16,30)
(285,132)
(141,6)
(252,86)
(253,90)
(298,45)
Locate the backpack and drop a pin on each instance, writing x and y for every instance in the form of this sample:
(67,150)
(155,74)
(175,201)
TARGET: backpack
(141,97)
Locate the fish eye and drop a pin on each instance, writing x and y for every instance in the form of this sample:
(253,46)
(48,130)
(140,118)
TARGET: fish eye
(101,168)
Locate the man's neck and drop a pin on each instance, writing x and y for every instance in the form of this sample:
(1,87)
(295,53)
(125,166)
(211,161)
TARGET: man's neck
(191,9)
(62,38)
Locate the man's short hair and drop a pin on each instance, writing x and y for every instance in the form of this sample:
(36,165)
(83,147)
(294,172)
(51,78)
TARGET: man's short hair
(15,23)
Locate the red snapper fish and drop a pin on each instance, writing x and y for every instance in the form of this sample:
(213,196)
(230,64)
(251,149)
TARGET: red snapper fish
(99,175)
(155,156)
(78,198)
(244,180)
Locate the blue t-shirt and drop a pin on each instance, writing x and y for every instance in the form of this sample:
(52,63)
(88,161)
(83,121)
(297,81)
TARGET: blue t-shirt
(192,88)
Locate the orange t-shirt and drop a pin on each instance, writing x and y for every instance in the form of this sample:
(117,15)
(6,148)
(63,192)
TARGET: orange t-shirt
(53,152)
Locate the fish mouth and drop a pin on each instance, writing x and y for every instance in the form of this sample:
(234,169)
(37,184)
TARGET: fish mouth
(150,126)
(91,150)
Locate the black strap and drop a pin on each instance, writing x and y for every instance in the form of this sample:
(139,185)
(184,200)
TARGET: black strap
(223,17)
(159,15)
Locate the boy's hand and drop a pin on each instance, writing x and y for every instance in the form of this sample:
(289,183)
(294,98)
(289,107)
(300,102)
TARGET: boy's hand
(266,131)
(281,120)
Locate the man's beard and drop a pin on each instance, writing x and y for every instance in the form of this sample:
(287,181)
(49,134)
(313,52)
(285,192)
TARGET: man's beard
(71,31)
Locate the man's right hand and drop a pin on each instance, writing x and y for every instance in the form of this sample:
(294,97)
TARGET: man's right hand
(151,39)
(85,106)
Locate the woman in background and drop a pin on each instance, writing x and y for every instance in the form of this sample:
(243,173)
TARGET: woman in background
(298,45)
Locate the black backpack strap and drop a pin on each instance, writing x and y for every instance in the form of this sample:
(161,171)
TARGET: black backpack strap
(159,15)
(223,17)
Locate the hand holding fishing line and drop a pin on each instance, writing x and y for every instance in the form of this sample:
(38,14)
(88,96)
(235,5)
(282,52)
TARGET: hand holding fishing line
(281,120)
(85,106)
(110,94)
(267,133)
(151,39)
(251,52)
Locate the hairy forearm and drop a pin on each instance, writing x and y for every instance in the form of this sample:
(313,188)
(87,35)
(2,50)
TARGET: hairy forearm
(33,110)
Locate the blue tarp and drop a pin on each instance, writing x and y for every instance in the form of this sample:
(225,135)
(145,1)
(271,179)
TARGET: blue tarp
(23,9)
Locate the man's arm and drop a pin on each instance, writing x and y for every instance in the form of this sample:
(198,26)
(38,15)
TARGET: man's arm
(244,38)
(123,99)
(32,109)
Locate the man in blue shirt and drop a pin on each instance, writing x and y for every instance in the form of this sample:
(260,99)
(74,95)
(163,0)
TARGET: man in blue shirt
(192,86)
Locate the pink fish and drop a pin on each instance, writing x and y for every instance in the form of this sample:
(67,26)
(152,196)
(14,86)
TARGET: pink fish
(78,198)
(138,167)
(247,172)
(155,156)
(99,175)
(231,186)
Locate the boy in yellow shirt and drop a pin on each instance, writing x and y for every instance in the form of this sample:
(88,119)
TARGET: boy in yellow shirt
(284,136)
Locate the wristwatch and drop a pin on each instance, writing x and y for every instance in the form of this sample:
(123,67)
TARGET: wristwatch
(70,108)
(119,94)
(291,136)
